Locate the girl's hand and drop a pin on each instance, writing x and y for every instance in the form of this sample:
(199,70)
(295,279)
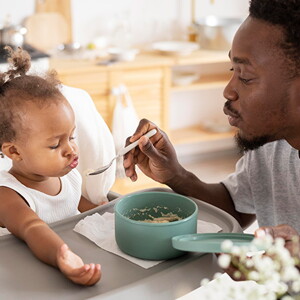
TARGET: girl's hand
(72,266)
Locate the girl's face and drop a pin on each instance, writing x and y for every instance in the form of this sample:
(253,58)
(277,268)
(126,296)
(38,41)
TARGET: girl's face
(46,145)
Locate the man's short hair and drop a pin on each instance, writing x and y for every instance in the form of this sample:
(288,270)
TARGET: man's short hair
(285,14)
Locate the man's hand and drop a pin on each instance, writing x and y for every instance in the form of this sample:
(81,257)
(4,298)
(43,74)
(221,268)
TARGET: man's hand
(72,266)
(156,157)
(286,232)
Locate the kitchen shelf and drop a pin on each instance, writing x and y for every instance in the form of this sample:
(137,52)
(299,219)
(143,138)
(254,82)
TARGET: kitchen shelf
(201,57)
(196,134)
(204,82)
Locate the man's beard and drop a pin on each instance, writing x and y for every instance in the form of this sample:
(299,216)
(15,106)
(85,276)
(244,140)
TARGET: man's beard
(246,145)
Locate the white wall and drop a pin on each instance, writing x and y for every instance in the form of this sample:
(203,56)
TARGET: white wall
(146,20)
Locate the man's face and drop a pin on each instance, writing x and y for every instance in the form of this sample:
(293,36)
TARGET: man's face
(259,93)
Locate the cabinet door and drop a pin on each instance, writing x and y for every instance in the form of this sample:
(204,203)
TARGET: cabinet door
(95,83)
(147,89)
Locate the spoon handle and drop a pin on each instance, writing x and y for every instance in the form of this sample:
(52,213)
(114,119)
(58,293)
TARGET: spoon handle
(134,144)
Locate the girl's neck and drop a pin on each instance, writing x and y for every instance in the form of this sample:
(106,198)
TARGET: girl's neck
(48,185)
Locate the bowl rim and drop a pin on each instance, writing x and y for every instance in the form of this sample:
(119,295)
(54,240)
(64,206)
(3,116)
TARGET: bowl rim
(157,224)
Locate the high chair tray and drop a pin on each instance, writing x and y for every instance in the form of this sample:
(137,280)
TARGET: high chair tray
(22,276)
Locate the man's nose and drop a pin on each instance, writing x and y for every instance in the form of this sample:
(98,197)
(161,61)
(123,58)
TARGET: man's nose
(230,92)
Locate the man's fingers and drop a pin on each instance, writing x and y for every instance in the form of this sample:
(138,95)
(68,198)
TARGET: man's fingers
(284,231)
(147,147)
(143,127)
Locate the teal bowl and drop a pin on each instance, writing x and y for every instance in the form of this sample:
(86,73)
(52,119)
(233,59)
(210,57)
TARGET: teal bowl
(136,236)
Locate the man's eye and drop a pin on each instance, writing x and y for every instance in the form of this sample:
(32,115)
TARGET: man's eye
(72,138)
(244,80)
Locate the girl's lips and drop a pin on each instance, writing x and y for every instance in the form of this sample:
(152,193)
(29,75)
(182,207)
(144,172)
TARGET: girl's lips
(74,163)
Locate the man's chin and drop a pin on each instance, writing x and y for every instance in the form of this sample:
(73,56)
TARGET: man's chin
(245,144)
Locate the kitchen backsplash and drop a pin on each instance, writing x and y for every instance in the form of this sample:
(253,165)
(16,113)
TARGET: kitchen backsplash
(129,22)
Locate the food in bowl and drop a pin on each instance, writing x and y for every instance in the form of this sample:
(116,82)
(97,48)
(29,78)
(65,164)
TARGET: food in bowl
(160,215)
(163,219)
(138,237)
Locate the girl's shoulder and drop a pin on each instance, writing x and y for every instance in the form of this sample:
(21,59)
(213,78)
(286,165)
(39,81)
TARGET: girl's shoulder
(4,175)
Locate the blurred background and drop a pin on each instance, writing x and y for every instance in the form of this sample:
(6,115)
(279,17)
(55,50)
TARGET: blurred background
(171,56)
(145,20)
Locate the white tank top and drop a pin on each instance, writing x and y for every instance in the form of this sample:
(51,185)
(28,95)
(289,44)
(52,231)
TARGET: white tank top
(49,208)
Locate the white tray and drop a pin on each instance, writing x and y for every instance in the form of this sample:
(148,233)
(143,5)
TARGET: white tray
(24,277)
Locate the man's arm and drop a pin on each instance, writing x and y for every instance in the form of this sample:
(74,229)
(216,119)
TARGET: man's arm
(188,184)
(157,158)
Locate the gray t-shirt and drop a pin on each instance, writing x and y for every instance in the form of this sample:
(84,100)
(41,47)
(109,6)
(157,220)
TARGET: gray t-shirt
(266,183)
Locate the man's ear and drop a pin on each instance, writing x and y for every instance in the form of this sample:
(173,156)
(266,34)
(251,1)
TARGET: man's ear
(11,151)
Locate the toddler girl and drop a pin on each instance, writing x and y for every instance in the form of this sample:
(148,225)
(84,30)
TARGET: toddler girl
(37,133)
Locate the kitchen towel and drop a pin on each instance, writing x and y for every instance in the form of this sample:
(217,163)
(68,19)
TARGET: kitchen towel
(124,123)
(100,229)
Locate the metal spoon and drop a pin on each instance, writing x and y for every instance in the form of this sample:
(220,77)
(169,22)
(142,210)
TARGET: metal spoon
(121,153)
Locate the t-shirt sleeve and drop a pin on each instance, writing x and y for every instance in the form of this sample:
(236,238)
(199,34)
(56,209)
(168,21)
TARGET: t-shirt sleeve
(238,185)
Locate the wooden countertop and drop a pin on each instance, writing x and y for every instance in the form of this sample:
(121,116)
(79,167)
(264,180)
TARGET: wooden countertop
(142,60)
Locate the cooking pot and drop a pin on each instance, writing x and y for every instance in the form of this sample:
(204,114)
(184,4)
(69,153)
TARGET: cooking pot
(13,35)
(138,236)
(216,33)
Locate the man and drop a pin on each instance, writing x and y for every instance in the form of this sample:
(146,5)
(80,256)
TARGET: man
(263,102)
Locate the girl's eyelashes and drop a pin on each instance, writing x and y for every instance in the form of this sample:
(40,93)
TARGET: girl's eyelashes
(58,144)
(54,147)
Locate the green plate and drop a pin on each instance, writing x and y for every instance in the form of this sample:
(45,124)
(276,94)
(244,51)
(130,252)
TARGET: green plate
(209,242)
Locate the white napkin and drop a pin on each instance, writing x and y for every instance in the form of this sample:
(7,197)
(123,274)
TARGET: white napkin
(100,229)
(219,287)
(3,231)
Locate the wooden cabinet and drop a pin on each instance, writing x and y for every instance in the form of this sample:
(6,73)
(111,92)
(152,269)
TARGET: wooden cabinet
(149,81)
(148,84)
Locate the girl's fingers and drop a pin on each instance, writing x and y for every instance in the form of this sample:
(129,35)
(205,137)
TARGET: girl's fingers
(89,274)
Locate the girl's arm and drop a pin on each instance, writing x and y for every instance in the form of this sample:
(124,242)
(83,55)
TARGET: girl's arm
(45,244)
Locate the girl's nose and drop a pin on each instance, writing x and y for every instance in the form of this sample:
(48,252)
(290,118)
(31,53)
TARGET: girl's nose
(71,149)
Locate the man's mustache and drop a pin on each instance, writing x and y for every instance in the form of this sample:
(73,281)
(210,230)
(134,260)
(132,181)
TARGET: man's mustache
(228,106)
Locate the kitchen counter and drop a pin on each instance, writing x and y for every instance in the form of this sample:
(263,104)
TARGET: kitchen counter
(24,277)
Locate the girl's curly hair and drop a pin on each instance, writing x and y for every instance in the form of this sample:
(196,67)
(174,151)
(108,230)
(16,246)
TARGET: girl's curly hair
(285,14)
(17,87)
